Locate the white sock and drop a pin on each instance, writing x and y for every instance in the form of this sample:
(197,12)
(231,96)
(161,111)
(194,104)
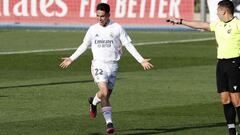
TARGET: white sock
(107,114)
(96,100)
(231,125)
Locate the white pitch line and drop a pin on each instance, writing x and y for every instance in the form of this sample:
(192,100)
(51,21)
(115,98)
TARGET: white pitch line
(37,51)
(137,44)
(174,41)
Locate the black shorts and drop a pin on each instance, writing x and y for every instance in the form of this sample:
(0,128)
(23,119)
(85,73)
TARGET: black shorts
(228,75)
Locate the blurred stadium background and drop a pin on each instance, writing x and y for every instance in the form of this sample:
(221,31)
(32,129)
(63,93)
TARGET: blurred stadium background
(177,97)
(132,14)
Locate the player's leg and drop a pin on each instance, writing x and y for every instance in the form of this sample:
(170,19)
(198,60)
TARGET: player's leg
(104,75)
(223,89)
(98,70)
(108,115)
(229,112)
(234,83)
(235,97)
(105,93)
(94,101)
(106,108)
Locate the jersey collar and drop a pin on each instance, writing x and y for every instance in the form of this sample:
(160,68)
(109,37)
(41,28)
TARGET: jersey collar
(230,20)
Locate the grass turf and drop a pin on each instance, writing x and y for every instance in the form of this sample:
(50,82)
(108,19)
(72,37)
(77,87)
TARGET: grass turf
(177,97)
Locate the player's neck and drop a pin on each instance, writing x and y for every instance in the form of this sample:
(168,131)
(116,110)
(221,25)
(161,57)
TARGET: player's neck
(228,19)
(108,21)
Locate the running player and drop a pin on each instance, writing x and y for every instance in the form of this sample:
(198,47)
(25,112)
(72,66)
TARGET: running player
(106,39)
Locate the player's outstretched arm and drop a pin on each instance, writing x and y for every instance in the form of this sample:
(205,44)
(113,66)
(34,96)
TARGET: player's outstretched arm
(192,24)
(66,62)
(146,64)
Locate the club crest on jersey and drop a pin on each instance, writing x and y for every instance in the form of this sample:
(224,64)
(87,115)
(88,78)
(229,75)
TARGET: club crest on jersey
(229,31)
(96,35)
(111,35)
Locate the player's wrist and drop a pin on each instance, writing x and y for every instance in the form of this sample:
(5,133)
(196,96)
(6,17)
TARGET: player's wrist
(70,59)
(141,61)
(145,61)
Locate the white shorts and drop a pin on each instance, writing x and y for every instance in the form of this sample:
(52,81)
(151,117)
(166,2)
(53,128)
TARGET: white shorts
(104,72)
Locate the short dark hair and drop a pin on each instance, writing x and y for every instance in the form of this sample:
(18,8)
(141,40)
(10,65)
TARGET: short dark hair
(103,7)
(228,5)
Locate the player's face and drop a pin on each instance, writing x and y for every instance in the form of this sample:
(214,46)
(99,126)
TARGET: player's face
(102,17)
(220,12)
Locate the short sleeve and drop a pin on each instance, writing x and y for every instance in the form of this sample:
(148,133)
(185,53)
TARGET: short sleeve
(124,38)
(213,26)
(238,25)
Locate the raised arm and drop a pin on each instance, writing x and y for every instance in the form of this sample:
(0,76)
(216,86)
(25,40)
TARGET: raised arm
(192,24)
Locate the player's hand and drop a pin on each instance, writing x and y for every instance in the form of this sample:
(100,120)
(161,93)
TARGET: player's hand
(66,62)
(174,20)
(146,64)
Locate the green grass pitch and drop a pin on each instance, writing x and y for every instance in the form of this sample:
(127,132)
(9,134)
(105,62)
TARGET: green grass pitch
(177,97)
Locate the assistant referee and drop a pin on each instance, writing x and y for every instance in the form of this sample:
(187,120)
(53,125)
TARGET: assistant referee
(227,32)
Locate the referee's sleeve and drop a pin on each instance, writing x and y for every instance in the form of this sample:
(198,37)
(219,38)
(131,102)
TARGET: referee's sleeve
(238,25)
(213,26)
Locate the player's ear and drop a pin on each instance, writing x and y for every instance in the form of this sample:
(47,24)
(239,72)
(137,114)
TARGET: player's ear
(223,11)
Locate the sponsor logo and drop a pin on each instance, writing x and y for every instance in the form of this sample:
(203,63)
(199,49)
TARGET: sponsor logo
(103,43)
(111,35)
(229,31)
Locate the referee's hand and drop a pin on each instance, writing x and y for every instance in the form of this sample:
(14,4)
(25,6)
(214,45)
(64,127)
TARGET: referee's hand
(173,20)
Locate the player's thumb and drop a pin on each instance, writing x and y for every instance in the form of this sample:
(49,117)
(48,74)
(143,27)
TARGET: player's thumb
(64,58)
(145,60)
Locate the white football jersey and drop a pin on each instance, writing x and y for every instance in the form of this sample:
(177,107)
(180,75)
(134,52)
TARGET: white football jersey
(106,42)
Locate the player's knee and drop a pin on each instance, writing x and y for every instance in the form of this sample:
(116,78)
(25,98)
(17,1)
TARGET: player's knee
(235,99)
(104,95)
(236,102)
(225,100)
